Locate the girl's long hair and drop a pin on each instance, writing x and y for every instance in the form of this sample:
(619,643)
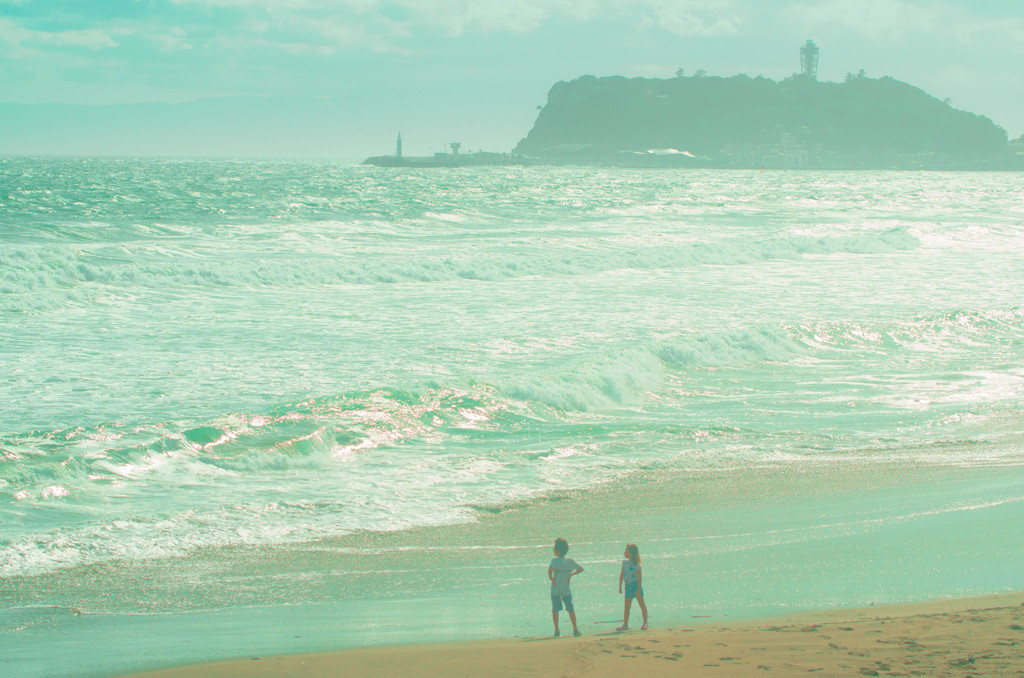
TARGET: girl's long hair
(634,553)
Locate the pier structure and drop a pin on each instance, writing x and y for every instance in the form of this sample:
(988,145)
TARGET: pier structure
(452,156)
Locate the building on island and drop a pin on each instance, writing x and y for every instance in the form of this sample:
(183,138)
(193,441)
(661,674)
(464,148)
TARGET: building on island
(809,59)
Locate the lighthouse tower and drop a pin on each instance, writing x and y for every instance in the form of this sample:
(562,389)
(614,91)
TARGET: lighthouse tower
(809,59)
(398,146)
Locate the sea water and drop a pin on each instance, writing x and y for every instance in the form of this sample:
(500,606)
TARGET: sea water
(251,407)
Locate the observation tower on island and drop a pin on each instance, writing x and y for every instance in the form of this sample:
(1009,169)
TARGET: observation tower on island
(809,60)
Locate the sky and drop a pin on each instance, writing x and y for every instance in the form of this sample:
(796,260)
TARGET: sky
(476,70)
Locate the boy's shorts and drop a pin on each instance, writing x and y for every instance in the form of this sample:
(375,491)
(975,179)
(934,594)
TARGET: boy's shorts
(631,591)
(557,601)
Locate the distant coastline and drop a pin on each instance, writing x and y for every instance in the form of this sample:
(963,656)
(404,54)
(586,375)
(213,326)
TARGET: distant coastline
(741,122)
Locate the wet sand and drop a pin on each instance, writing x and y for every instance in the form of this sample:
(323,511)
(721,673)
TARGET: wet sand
(981,636)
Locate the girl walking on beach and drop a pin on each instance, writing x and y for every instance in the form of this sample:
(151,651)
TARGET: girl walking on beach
(632,577)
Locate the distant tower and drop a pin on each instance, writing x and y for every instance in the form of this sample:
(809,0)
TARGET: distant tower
(398,146)
(455,146)
(809,59)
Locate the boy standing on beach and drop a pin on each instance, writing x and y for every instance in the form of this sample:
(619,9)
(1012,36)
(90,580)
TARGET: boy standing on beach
(560,571)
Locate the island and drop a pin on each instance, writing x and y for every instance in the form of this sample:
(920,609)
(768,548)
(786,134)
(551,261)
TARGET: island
(744,122)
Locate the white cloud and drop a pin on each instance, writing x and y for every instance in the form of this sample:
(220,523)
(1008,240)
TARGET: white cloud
(16,37)
(286,6)
(243,43)
(340,33)
(381,25)
(684,17)
(458,17)
(687,17)
(897,19)
(94,39)
(961,77)
(878,19)
(168,42)
(1009,30)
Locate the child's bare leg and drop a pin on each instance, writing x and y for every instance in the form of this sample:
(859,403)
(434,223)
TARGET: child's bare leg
(625,611)
(643,608)
(554,618)
(572,618)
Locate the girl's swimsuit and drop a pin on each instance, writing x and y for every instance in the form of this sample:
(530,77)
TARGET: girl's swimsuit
(630,579)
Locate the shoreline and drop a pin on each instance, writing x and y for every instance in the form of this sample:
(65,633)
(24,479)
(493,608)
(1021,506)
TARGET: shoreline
(982,635)
(837,536)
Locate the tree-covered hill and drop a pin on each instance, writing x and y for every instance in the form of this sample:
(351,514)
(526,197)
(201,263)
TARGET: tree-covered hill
(748,122)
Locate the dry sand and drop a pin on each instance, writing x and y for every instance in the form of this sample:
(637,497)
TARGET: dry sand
(967,637)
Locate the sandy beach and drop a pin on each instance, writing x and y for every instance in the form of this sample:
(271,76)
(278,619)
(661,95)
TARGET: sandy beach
(981,636)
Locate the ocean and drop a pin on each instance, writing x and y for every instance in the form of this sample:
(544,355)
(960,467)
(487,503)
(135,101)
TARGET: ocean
(257,407)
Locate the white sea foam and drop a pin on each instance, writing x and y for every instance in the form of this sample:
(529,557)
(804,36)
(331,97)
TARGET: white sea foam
(209,354)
